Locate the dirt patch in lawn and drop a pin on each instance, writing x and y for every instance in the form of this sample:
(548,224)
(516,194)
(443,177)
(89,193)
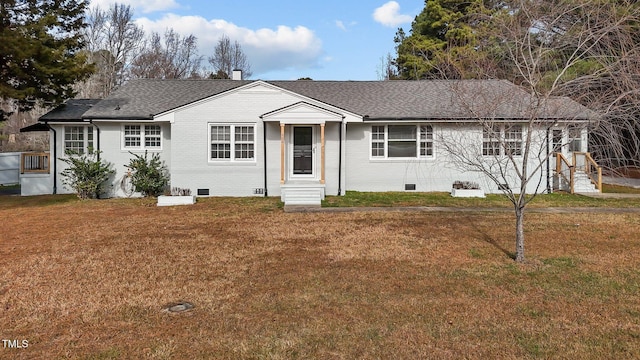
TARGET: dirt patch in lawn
(91,280)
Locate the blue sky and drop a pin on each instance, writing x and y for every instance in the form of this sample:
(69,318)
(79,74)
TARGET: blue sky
(288,39)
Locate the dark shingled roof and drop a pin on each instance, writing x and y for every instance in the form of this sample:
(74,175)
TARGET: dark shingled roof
(142,99)
(433,99)
(71,110)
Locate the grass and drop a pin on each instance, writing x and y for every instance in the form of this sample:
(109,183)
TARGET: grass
(89,280)
(11,202)
(443,199)
(610,188)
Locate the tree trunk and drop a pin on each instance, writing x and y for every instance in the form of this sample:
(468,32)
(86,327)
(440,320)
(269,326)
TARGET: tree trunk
(519,234)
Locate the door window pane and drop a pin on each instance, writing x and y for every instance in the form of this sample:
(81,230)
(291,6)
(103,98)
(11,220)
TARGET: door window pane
(302,150)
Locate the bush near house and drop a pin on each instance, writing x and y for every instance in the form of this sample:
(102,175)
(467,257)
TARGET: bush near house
(86,173)
(149,176)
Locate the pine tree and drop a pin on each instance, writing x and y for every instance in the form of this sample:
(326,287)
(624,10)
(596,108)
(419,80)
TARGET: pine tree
(444,40)
(40,56)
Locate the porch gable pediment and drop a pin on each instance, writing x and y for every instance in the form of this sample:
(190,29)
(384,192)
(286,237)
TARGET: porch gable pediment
(302,113)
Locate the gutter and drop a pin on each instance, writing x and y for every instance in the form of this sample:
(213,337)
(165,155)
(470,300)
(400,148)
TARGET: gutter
(264,153)
(368,118)
(342,124)
(97,139)
(548,163)
(55,158)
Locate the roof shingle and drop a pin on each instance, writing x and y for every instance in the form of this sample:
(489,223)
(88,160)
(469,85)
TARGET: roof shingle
(142,99)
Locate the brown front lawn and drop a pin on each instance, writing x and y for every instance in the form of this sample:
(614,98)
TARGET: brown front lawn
(89,279)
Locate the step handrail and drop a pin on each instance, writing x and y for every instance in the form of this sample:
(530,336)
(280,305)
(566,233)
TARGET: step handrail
(560,159)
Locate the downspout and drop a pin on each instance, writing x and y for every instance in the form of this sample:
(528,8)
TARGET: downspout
(264,153)
(548,162)
(97,143)
(97,139)
(340,157)
(55,158)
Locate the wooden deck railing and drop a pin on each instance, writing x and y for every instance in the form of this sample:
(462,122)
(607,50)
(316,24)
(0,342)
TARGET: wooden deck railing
(34,163)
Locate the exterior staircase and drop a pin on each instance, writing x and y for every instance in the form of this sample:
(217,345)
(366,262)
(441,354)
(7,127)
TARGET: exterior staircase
(302,194)
(583,184)
(581,175)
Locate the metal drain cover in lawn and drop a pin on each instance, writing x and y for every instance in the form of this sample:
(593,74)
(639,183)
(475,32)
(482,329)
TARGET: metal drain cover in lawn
(178,307)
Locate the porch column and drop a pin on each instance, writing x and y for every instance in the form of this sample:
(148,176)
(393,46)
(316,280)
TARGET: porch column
(281,153)
(322,153)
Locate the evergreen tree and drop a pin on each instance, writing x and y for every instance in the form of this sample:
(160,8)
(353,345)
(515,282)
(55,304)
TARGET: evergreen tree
(445,39)
(40,58)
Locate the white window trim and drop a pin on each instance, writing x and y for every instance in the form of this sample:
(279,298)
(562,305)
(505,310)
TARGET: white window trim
(232,142)
(86,130)
(142,137)
(418,141)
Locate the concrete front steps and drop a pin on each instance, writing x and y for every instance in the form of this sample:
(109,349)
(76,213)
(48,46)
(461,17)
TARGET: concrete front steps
(302,194)
(582,184)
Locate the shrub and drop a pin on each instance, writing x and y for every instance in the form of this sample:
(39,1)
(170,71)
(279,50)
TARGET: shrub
(176,191)
(148,176)
(465,185)
(86,173)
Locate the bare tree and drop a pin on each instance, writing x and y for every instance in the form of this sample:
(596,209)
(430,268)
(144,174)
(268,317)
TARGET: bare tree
(386,69)
(228,56)
(515,132)
(113,40)
(609,82)
(169,57)
(11,139)
(550,47)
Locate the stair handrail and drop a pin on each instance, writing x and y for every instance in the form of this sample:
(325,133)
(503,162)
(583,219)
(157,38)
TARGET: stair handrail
(560,159)
(589,164)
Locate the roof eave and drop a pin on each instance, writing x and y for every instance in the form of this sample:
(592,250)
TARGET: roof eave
(367,118)
(120,117)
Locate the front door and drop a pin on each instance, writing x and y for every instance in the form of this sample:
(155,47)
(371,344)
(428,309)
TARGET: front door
(303,151)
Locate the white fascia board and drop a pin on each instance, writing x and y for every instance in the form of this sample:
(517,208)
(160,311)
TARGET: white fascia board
(165,117)
(303,113)
(123,120)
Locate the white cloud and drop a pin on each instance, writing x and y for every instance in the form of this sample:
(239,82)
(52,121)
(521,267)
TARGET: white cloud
(389,15)
(266,49)
(344,27)
(144,6)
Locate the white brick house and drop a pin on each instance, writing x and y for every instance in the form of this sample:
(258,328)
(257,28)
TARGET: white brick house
(307,139)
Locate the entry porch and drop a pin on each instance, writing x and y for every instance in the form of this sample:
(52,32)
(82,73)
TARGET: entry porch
(310,149)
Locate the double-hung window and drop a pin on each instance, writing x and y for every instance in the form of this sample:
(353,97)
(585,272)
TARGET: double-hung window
(136,136)
(502,140)
(78,139)
(377,141)
(401,141)
(575,139)
(232,142)
(244,142)
(513,140)
(426,141)
(491,141)
(152,136)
